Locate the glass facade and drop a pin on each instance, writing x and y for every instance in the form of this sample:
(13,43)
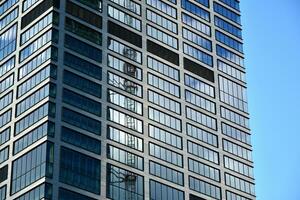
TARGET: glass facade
(123,100)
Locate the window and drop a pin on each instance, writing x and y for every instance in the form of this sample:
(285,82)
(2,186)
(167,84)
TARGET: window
(43,191)
(164,102)
(161,21)
(6,20)
(5,118)
(124,84)
(94,4)
(125,102)
(159,191)
(3,193)
(237,150)
(6,83)
(6,100)
(196,10)
(230,56)
(203,152)
(3,173)
(200,101)
(164,119)
(239,184)
(124,18)
(82,66)
(81,121)
(236,133)
(129,5)
(125,120)
(7,5)
(123,184)
(82,84)
(201,118)
(162,37)
(163,68)
(195,24)
(233,4)
(238,167)
(28,3)
(218,8)
(124,50)
(231,71)
(165,155)
(83,31)
(37,162)
(4,154)
(196,39)
(204,170)
(83,48)
(47,128)
(67,195)
(234,117)
(81,102)
(223,38)
(83,141)
(163,85)
(124,67)
(7,66)
(165,136)
(48,109)
(125,138)
(202,135)
(86,177)
(8,42)
(203,2)
(204,188)
(125,157)
(233,196)
(228,27)
(198,54)
(199,85)
(4,136)
(163,7)
(166,173)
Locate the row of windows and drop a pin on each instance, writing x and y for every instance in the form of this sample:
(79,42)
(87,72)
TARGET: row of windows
(6,83)
(81,121)
(200,102)
(67,194)
(28,3)
(124,50)
(164,102)
(38,163)
(86,177)
(239,184)
(233,94)
(196,10)
(159,191)
(203,152)
(47,128)
(80,140)
(125,102)
(199,85)
(4,136)
(165,136)
(197,39)
(163,7)
(228,27)
(161,21)
(8,42)
(204,188)
(5,118)
(124,67)
(82,66)
(7,5)
(198,54)
(236,133)
(7,66)
(230,56)
(163,68)
(35,98)
(238,166)
(37,61)
(233,196)
(123,184)
(237,150)
(203,2)
(218,8)
(129,5)
(201,118)
(234,117)
(165,119)
(202,135)
(163,85)
(235,4)
(162,37)
(125,138)
(9,18)
(94,4)
(6,100)
(125,157)
(48,71)
(204,170)
(124,84)
(4,154)
(165,155)
(166,173)
(43,191)
(82,84)
(124,18)
(195,24)
(221,37)
(82,102)
(231,71)
(125,120)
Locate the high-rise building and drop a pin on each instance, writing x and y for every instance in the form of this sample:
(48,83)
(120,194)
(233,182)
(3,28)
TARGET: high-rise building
(123,99)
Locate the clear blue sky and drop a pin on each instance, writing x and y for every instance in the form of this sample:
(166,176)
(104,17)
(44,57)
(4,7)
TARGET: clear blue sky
(272,48)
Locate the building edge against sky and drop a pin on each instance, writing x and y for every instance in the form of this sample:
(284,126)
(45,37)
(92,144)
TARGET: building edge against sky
(123,99)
